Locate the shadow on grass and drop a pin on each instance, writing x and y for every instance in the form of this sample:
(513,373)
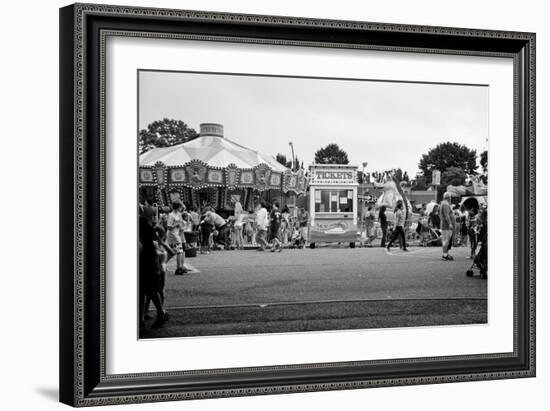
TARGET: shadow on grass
(318,316)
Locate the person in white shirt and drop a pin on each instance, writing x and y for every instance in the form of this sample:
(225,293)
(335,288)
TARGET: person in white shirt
(175,237)
(261,226)
(219,225)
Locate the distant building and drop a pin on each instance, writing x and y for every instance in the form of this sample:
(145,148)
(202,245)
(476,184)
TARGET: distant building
(418,197)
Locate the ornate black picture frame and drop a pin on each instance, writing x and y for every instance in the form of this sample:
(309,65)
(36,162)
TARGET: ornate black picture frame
(83,30)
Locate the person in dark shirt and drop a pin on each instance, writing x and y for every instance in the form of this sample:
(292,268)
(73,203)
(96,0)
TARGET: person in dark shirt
(481,257)
(383,220)
(472,232)
(275,227)
(433,219)
(150,270)
(164,253)
(399,230)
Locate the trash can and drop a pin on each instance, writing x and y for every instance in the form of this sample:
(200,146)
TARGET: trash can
(191,237)
(190,252)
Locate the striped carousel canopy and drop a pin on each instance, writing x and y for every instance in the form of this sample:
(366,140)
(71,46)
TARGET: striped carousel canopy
(211,148)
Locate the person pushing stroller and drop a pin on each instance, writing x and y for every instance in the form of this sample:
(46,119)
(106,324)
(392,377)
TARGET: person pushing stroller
(480,259)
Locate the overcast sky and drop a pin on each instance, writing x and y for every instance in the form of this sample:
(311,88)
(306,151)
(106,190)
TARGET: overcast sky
(387,124)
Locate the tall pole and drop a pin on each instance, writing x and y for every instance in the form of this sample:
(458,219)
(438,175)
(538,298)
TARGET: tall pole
(292,150)
(365,164)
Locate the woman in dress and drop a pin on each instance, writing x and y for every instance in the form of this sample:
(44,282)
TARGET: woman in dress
(238,227)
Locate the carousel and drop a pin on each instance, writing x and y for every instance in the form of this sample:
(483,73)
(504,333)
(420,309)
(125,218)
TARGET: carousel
(213,170)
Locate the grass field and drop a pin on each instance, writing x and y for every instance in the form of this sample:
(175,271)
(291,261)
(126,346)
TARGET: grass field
(319,316)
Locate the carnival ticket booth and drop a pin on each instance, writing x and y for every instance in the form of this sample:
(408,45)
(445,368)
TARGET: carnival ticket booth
(333,203)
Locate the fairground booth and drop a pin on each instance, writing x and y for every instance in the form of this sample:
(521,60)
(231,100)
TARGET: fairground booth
(333,203)
(213,170)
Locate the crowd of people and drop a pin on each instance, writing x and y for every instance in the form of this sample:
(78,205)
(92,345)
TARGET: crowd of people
(442,224)
(453,226)
(267,226)
(169,233)
(166,234)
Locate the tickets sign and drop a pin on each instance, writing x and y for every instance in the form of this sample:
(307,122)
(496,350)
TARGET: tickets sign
(330,176)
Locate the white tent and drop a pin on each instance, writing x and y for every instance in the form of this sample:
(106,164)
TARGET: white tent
(215,151)
(214,169)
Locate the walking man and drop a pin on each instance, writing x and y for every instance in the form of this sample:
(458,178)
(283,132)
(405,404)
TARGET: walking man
(275,227)
(447,225)
(399,230)
(383,224)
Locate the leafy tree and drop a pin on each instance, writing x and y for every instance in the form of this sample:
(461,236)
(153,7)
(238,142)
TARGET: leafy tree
(452,176)
(165,133)
(281,159)
(331,154)
(397,173)
(400,175)
(419,183)
(483,160)
(296,164)
(363,178)
(446,155)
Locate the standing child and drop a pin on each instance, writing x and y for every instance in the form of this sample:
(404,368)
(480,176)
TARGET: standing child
(369,222)
(303,224)
(249,232)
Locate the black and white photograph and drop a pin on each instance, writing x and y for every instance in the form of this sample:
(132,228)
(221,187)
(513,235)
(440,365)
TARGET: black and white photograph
(284,204)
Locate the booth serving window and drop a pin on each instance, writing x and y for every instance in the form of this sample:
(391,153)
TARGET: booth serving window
(333,201)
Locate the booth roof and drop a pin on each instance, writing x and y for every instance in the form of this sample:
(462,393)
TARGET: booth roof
(214,151)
